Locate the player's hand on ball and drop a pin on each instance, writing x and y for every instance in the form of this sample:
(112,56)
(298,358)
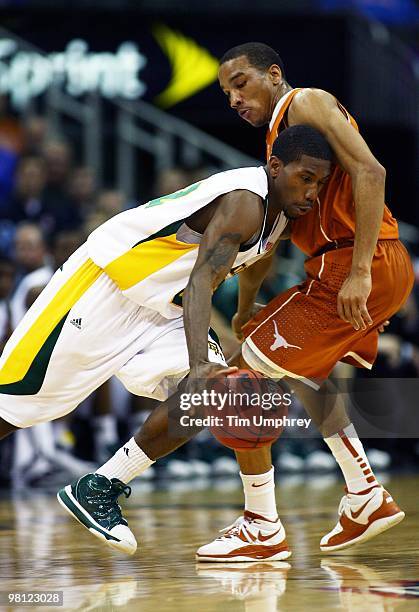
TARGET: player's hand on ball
(201,374)
(239,320)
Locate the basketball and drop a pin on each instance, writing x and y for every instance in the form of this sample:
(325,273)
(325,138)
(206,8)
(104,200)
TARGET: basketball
(249,410)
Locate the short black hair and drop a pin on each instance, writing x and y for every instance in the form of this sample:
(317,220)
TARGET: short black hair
(299,140)
(260,56)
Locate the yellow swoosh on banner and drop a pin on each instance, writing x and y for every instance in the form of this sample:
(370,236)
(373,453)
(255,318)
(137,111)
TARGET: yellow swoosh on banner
(193,67)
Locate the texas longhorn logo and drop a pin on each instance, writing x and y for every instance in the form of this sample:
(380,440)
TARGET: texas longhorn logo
(280,341)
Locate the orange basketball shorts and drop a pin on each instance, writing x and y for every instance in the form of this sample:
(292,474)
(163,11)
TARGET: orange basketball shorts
(299,333)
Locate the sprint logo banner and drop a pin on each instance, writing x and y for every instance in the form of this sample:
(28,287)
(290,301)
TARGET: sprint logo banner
(26,74)
(128,69)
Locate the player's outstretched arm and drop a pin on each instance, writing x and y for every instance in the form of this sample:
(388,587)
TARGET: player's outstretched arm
(320,109)
(237,218)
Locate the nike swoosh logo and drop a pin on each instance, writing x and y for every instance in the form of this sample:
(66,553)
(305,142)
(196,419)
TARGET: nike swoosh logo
(259,485)
(268,537)
(356,514)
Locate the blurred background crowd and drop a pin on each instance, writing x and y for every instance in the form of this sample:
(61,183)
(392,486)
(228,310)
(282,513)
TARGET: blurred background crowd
(59,182)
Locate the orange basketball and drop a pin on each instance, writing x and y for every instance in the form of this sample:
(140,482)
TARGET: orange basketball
(249,409)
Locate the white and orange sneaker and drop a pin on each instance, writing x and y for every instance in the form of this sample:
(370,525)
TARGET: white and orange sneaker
(250,538)
(361,517)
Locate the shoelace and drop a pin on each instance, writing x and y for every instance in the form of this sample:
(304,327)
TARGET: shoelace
(343,505)
(233,530)
(106,503)
(118,488)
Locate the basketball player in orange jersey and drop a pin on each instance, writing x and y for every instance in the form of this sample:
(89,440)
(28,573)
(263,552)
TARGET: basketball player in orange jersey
(358,275)
(304,332)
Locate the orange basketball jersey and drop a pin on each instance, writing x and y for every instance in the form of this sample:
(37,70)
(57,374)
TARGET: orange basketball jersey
(333,217)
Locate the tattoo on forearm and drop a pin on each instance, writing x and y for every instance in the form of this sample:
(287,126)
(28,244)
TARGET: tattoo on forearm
(197,296)
(220,254)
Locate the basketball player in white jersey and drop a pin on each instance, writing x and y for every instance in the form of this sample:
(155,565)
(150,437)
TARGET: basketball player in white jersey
(114,308)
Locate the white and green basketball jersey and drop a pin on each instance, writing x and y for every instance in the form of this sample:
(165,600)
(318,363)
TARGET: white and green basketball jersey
(149,252)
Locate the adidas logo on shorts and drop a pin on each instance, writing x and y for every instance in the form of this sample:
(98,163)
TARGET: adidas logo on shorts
(76,323)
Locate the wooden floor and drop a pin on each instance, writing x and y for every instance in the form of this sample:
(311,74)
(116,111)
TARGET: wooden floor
(42,549)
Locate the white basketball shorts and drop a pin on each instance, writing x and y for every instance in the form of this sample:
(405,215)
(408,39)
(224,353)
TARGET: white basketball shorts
(78,333)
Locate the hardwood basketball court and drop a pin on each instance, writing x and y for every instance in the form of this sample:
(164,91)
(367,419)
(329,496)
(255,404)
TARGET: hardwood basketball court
(43,549)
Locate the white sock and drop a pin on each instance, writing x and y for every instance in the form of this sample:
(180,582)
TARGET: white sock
(348,451)
(127,463)
(259,494)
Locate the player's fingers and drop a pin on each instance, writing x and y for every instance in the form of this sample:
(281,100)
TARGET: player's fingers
(347,311)
(341,312)
(356,319)
(365,314)
(361,315)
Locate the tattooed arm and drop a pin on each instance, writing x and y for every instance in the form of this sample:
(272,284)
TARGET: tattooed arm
(237,218)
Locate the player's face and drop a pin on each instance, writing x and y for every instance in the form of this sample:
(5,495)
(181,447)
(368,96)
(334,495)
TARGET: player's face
(297,185)
(250,91)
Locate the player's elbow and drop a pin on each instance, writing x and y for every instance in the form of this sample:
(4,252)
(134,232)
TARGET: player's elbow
(375,172)
(370,173)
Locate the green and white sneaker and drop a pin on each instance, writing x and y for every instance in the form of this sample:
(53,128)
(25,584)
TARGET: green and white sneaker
(92,500)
